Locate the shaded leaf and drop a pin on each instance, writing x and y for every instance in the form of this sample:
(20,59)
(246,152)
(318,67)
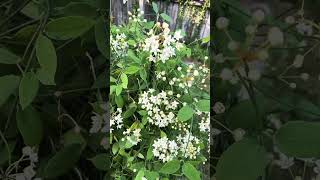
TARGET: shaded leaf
(28,89)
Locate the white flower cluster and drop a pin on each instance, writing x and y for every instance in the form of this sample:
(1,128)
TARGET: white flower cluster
(119,45)
(29,153)
(157,107)
(138,17)
(134,137)
(100,122)
(165,149)
(193,76)
(116,120)
(189,145)
(204,124)
(162,46)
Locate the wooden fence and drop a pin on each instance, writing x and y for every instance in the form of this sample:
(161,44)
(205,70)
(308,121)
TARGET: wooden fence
(119,12)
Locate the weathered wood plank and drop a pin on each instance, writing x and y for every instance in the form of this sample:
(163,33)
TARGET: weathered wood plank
(119,13)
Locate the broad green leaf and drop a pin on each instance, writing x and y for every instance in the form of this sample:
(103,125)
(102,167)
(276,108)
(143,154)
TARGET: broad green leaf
(101,37)
(7,57)
(203,105)
(299,139)
(124,80)
(155,7)
(131,109)
(243,115)
(244,160)
(151,175)
(30,126)
(63,161)
(170,167)
(185,113)
(140,175)
(100,161)
(143,75)
(118,89)
(166,17)
(131,43)
(4,154)
(79,9)
(115,148)
(73,137)
(132,56)
(119,101)
(190,172)
(28,89)
(8,84)
(131,70)
(150,153)
(101,81)
(69,27)
(32,10)
(47,58)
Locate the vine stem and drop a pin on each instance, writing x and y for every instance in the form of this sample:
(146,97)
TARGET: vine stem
(7,146)
(216,121)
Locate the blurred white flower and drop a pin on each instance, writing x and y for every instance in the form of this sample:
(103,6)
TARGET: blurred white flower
(222,23)
(275,36)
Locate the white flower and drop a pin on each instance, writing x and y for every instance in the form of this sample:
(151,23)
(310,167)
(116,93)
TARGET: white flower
(290,20)
(219,108)
(226,74)
(254,75)
(250,29)
(233,45)
(284,162)
(178,35)
(275,36)
(238,134)
(222,23)
(304,76)
(28,172)
(298,61)
(263,55)
(219,58)
(258,16)
(293,85)
(304,29)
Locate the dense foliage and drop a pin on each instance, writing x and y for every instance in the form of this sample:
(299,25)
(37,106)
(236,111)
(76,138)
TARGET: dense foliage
(53,61)
(266,94)
(159,101)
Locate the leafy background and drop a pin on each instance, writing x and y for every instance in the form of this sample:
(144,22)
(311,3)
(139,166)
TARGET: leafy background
(53,74)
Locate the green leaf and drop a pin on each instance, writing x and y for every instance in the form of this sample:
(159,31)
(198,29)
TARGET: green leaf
(7,57)
(170,167)
(28,89)
(30,126)
(190,172)
(151,175)
(243,115)
(132,108)
(63,161)
(155,7)
(8,84)
(101,37)
(124,80)
(140,175)
(206,39)
(131,70)
(203,105)
(69,27)
(4,155)
(118,90)
(79,9)
(244,160)
(115,148)
(132,56)
(185,113)
(101,81)
(143,75)
(100,161)
(47,58)
(150,153)
(73,137)
(166,17)
(299,139)
(119,101)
